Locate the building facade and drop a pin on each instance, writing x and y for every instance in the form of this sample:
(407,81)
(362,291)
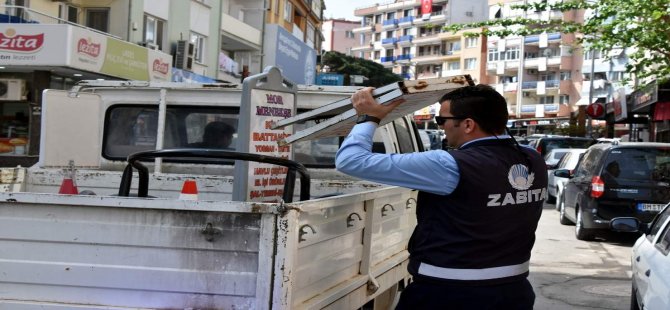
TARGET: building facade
(407,37)
(58,43)
(338,36)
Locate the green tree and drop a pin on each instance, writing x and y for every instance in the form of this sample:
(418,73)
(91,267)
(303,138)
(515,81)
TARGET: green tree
(643,25)
(377,75)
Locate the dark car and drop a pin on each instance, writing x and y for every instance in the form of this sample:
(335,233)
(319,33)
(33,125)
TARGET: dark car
(545,144)
(630,179)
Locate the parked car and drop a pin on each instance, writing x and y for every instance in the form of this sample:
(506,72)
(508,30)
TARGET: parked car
(555,184)
(545,144)
(650,262)
(551,159)
(613,180)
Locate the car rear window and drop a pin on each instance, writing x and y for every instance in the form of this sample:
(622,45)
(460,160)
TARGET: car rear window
(639,164)
(566,144)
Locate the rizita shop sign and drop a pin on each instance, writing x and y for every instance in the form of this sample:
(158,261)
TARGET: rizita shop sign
(295,59)
(82,49)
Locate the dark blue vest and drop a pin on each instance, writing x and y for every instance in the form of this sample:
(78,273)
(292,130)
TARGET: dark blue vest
(489,220)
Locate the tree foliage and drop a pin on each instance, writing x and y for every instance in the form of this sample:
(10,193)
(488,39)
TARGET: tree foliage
(377,75)
(643,25)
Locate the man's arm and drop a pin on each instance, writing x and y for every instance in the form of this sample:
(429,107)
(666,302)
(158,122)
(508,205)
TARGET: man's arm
(432,171)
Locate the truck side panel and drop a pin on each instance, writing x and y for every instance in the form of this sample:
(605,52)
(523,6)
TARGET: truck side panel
(128,257)
(338,256)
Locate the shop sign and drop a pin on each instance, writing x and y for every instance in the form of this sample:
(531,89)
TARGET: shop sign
(43,45)
(31,45)
(330,79)
(595,110)
(645,96)
(620,105)
(295,59)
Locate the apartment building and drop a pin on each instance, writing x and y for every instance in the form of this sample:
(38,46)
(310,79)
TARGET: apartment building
(407,37)
(57,43)
(338,35)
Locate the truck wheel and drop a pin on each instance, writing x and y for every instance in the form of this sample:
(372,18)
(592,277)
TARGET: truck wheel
(582,233)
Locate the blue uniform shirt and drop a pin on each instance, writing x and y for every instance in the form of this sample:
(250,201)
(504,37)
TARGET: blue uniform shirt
(431,171)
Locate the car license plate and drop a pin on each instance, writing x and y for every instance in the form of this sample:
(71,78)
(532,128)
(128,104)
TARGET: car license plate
(650,207)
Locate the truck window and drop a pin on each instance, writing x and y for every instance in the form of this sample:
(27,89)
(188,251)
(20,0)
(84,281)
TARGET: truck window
(402,129)
(133,128)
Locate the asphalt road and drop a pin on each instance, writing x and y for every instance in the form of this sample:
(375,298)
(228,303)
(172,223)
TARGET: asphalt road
(570,274)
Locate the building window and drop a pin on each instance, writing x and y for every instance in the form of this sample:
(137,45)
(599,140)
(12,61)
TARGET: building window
(378,18)
(198,42)
(390,15)
(275,6)
(565,75)
(591,53)
(69,13)
(470,63)
(493,54)
(288,11)
(389,52)
(153,30)
(405,50)
(406,31)
(378,36)
(511,53)
(377,55)
(471,42)
(454,65)
(98,18)
(546,99)
(310,35)
(564,99)
(349,34)
(617,76)
(389,34)
(454,46)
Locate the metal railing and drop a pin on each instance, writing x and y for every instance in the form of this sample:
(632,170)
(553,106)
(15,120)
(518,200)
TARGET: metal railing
(25,15)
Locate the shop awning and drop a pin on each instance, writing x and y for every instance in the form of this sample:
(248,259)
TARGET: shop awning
(662,111)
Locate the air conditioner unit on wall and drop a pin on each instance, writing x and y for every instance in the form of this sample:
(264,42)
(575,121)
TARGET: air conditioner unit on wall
(531,71)
(183,56)
(12,89)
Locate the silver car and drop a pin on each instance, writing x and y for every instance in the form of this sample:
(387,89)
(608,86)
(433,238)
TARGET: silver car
(555,184)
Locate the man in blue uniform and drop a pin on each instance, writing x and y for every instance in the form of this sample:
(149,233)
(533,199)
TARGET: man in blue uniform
(478,204)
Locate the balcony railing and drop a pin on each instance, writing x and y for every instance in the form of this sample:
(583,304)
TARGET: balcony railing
(390,23)
(389,41)
(536,38)
(405,39)
(24,15)
(547,84)
(404,57)
(406,19)
(387,59)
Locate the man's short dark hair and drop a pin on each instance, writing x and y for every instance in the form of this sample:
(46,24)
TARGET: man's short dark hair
(483,104)
(214,130)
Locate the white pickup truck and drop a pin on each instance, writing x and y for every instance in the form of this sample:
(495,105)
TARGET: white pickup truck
(341,247)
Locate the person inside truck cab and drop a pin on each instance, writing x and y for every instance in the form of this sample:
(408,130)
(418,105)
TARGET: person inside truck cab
(218,135)
(478,204)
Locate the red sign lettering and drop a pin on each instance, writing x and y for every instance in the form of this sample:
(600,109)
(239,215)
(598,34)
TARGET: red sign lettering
(10,41)
(88,48)
(159,66)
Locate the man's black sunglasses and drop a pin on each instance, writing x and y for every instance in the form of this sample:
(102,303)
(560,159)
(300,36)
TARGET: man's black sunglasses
(441,119)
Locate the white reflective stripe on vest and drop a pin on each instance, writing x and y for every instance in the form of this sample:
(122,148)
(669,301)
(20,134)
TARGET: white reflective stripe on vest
(473,274)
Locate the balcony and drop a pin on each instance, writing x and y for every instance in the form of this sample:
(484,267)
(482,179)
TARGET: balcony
(405,40)
(387,59)
(404,58)
(406,21)
(547,84)
(238,35)
(535,39)
(434,18)
(363,48)
(390,23)
(427,39)
(389,42)
(364,29)
(503,67)
(542,62)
